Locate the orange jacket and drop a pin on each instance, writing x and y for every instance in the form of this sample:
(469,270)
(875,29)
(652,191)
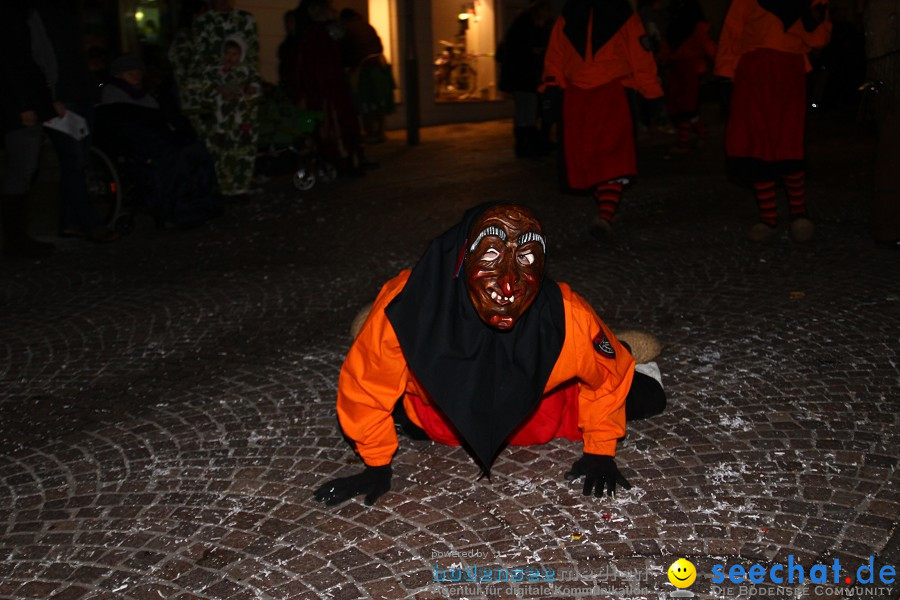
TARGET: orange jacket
(749,26)
(622,57)
(375,375)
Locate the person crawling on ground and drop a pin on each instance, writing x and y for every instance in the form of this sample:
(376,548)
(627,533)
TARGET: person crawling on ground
(476,346)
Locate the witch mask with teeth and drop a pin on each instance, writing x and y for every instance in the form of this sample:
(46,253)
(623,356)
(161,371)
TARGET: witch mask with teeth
(504,264)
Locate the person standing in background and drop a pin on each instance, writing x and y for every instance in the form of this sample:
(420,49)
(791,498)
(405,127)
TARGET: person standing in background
(287,54)
(370,74)
(521,59)
(686,49)
(321,85)
(25,103)
(210,31)
(66,68)
(181,57)
(232,141)
(763,49)
(597,49)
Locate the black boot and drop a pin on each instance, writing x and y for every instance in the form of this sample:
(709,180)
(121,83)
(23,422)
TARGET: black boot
(528,143)
(521,143)
(16,241)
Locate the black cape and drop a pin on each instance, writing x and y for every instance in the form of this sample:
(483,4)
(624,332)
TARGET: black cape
(684,16)
(485,381)
(789,11)
(609,16)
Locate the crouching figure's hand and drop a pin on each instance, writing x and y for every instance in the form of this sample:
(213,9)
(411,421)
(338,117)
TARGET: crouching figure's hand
(373,482)
(600,472)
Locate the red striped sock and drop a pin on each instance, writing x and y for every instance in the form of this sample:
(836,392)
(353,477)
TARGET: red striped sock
(684,134)
(608,196)
(765,201)
(795,185)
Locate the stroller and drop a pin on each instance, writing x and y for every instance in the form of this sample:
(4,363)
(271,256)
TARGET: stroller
(287,132)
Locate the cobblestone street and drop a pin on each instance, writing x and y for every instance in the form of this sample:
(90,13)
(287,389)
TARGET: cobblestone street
(168,400)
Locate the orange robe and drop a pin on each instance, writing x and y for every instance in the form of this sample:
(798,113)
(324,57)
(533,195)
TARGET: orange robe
(598,138)
(748,26)
(621,58)
(375,375)
(764,138)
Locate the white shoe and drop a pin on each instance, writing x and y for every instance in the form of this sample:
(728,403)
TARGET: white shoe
(650,369)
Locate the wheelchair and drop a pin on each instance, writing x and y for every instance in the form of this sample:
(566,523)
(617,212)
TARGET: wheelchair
(142,164)
(105,192)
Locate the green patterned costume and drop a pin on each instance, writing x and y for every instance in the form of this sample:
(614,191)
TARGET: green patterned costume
(222,105)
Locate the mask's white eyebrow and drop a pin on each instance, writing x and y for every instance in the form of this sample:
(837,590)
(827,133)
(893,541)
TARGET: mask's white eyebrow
(491,230)
(531,236)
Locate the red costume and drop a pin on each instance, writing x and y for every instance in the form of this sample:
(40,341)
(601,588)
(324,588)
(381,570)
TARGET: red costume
(484,349)
(584,397)
(763,48)
(596,50)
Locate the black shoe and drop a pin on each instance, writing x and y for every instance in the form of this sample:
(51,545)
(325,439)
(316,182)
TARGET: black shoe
(406,427)
(602,231)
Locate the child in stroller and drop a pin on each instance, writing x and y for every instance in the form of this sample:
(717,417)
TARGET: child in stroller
(287,136)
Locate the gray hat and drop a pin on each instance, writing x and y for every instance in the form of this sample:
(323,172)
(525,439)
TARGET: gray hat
(126,62)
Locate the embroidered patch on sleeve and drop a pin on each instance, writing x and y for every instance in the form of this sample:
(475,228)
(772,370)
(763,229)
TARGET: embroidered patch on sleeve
(646,44)
(603,346)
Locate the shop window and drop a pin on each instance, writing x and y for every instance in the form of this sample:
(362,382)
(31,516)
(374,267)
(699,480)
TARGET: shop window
(465,43)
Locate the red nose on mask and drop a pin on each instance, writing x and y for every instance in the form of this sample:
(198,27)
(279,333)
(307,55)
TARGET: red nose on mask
(506,282)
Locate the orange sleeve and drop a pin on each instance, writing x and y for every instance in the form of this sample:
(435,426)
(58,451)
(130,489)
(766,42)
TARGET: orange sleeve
(603,382)
(730,46)
(554,57)
(640,59)
(373,377)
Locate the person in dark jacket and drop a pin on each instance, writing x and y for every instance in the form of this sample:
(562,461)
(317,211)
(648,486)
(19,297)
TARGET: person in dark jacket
(75,90)
(370,74)
(521,59)
(25,103)
(131,125)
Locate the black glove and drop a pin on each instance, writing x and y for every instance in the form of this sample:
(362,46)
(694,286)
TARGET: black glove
(599,472)
(373,482)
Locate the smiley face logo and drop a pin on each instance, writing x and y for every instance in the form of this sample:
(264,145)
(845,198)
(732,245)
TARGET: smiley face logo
(682,573)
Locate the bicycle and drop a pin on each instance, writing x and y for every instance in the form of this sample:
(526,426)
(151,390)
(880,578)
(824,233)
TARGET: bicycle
(454,76)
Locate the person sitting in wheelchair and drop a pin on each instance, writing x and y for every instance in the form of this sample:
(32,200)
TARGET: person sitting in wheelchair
(131,127)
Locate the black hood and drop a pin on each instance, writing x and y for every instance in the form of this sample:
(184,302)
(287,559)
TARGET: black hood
(485,381)
(789,11)
(608,18)
(683,18)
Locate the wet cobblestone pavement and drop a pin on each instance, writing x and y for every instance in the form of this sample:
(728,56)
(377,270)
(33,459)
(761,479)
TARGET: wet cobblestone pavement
(167,400)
